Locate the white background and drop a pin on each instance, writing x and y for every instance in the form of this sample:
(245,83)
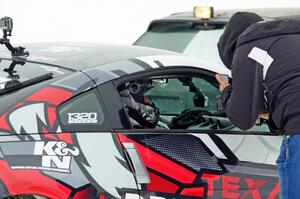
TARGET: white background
(102,21)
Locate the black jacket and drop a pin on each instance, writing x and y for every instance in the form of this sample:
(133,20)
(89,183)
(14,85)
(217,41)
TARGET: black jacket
(272,48)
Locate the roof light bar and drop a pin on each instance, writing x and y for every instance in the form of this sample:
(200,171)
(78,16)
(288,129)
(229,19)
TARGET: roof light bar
(203,12)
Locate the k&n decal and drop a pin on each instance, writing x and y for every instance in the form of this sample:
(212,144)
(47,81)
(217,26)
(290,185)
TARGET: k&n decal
(40,155)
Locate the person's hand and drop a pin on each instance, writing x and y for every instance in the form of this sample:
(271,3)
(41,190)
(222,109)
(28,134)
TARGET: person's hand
(222,83)
(264,116)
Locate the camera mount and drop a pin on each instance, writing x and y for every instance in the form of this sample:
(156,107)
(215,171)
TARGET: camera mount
(6,24)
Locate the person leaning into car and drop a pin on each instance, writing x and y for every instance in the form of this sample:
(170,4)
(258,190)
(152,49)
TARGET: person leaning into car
(264,58)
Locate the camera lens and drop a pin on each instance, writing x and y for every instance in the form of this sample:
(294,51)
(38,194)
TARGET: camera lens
(134,88)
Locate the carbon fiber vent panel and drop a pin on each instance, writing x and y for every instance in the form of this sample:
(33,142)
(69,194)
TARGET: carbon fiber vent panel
(185,149)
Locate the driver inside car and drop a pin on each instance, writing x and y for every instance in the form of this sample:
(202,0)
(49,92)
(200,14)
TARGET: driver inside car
(142,112)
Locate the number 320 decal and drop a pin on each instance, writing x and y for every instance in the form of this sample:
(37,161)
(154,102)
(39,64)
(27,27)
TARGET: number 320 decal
(82,118)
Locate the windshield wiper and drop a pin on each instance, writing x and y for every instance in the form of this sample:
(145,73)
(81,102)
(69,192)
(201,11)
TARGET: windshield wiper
(15,84)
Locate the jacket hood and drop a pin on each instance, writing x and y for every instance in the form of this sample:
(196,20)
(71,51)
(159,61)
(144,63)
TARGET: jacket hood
(264,29)
(237,24)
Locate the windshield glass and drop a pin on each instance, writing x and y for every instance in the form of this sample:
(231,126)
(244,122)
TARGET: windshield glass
(187,38)
(18,71)
(14,73)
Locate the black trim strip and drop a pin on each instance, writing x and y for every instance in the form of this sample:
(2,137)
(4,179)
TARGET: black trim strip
(198,131)
(225,149)
(119,72)
(76,191)
(17,86)
(159,64)
(168,178)
(141,63)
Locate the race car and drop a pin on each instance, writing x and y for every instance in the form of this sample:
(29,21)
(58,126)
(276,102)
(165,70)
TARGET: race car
(196,33)
(83,120)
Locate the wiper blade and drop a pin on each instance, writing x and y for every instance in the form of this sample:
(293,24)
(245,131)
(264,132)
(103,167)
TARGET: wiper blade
(15,85)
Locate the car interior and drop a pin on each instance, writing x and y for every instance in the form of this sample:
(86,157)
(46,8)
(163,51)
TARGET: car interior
(180,102)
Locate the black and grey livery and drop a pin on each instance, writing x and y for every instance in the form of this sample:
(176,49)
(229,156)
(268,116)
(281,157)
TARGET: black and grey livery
(77,138)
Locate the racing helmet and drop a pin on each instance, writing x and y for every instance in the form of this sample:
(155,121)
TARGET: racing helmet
(140,108)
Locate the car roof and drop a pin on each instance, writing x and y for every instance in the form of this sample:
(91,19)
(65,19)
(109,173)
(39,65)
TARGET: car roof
(102,63)
(81,56)
(122,68)
(223,15)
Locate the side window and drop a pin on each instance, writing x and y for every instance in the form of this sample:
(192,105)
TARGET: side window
(175,96)
(83,113)
(175,102)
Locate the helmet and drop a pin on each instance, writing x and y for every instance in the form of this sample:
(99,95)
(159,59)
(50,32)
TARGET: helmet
(140,108)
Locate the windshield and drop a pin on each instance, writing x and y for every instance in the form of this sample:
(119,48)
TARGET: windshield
(19,71)
(187,38)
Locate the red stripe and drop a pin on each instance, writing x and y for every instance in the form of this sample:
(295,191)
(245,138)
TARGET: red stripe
(19,104)
(3,123)
(31,182)
(101,196)
(161,164)
(48,135)
(51,116)
(66,137)
(160,184)
(195,192)
(274,193)
(51,95)
(86,193)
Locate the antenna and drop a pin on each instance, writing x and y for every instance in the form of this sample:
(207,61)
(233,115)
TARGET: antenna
(6,24)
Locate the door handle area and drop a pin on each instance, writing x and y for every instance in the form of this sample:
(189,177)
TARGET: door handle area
(136,162)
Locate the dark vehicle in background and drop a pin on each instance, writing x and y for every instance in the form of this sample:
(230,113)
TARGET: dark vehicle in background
(196,33)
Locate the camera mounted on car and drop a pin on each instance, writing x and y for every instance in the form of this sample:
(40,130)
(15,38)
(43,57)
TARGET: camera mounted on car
(6,24)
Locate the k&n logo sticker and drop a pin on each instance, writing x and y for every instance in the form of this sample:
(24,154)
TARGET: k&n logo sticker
(41,155)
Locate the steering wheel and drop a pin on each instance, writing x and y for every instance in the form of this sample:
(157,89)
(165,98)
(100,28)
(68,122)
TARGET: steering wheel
(188,117)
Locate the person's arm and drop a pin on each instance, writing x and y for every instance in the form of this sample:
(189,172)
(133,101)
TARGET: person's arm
(264,116)
(243,100)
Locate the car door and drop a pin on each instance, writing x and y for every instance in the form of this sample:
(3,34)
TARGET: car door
(57,142)
(100,161)
(209,159)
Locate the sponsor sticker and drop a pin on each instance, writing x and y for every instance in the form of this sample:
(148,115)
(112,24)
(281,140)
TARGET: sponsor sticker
(82,118)
(40,155)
